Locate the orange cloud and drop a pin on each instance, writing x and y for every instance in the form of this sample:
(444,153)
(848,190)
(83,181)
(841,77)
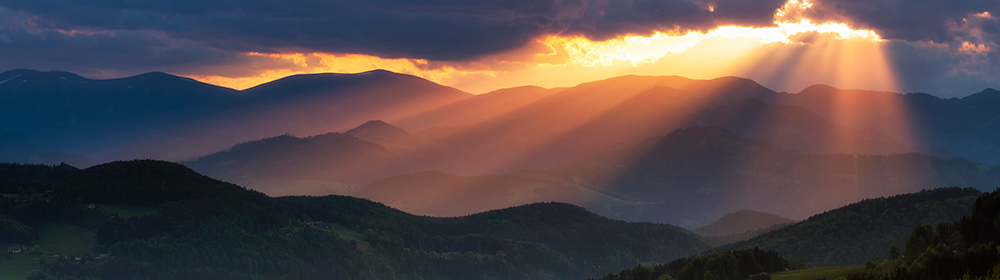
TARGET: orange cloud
(557,61)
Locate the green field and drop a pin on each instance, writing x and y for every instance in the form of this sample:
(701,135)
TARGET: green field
(830,273)
(18,266)
(126,211)
(347,233)
(65,239)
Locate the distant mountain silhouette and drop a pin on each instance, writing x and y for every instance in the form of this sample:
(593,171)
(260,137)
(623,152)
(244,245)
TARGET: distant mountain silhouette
(741,221)
(794,127)
(332,156)
(557,127)
(965,127)
(157,115)
(94,118)
(480,108)
(741,225)
(304,105)
(379,131)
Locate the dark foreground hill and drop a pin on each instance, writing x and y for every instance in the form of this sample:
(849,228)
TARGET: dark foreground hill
(859,232)
(207,229)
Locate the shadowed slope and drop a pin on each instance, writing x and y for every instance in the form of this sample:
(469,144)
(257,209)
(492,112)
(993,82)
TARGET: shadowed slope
(863,230)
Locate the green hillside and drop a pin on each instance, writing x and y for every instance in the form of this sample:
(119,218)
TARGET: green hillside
(861,231)
(202,228)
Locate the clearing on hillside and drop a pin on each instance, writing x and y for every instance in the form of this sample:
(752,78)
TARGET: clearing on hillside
(829,273)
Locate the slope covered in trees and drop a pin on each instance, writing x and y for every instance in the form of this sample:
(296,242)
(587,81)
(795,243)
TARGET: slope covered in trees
(208,229)
(861,231)
(737,264)
(965,249)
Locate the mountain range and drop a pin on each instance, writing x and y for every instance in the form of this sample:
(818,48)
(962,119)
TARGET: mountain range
(641,148)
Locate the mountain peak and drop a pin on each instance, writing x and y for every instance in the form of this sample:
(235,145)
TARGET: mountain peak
(818,88)
(377,130)
(987,94)
(28,74)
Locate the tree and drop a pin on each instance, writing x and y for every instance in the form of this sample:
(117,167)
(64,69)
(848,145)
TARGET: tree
(894,252)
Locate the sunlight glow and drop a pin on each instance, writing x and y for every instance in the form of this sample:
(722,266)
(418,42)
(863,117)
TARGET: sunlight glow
(638,49)
(561,61)
(986,15)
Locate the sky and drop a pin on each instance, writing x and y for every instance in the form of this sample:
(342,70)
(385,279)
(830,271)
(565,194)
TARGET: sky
(948,48)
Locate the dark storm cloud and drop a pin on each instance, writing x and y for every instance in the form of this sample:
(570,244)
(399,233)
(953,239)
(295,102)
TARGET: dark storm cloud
(29,41)
(911,20)
(435,29)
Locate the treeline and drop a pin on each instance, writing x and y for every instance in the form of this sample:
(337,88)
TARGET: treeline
(966,249)
(26,186)
(753,264)
(207,229)
(21,178)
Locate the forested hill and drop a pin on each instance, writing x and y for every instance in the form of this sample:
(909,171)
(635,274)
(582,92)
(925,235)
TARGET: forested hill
(858,232)
(208,229)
